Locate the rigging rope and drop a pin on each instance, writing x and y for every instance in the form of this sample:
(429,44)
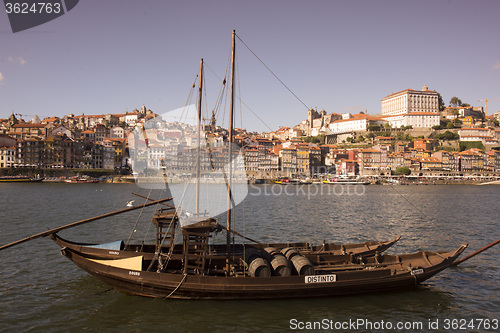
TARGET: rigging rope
(189,98)
(411,204)
(273,73)
(178,286)
(223,93)
(138,218)
(222,90)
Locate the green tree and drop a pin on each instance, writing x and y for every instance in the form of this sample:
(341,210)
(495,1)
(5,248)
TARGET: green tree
(315,139)
(403,171)
(441,102)
(457,122)
(455,101)
(373,128)
(408,137)
(464,145)
(444,122)
(447,136)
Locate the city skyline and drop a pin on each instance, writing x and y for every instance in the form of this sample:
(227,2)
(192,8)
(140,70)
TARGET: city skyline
(339,56)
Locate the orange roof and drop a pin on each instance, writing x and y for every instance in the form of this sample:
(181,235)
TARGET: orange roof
(29,125)
(474,129)
(50,119)
(357,117)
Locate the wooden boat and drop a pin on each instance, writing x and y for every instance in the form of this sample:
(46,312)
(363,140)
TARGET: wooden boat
(346,181)
(288,181)
(166,223)
(19,179)
(196,269)
(82,180)
(119,250)
(329,276)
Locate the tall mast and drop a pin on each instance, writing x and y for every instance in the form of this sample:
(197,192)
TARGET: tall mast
(230,141)
(200,91)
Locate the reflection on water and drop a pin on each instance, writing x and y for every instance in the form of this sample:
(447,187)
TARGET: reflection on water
(42,291)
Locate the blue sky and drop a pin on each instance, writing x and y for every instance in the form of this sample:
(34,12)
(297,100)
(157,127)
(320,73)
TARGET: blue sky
(342,56)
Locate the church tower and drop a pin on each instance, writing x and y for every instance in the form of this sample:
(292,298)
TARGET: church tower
(12,120)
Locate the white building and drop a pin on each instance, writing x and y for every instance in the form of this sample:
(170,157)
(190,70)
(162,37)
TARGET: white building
(131,118)
(156,155)
(485,135)
(416,108)
(61,130)
(352,123)
(415,119)
(117,132)
(7,157)
(409,101)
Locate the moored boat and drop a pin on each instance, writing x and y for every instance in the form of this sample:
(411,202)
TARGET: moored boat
(137,276)
(82,180)
(120,250)
(346,181)
(20,179)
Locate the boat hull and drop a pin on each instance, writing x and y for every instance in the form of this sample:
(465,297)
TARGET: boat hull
(338,282)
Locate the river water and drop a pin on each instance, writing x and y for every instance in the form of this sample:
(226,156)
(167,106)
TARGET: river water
(41,291)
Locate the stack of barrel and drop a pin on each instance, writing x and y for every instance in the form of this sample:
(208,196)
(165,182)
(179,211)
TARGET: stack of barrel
(269,261)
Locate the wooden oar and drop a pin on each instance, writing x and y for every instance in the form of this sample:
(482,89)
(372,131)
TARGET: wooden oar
(74,224)
(475,253)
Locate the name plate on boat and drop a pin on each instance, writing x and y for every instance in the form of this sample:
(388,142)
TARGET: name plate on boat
(320,278)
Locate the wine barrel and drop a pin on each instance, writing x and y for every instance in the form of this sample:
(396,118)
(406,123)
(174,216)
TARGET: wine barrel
(269,252)
(251,254)
(302,265)
(279,263)
(259,268)
(289,252)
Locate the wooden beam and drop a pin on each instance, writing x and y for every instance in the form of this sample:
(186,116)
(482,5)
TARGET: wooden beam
(74,224)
